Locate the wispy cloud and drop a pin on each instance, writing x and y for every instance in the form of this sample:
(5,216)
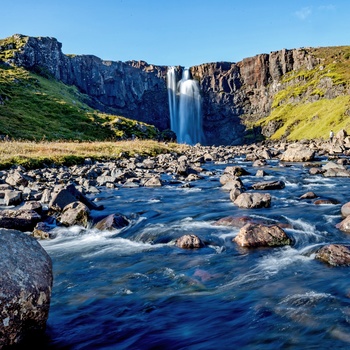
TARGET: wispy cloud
(304,13)
(329,7)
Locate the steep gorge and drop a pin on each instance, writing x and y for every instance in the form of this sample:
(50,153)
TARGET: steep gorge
(240,100)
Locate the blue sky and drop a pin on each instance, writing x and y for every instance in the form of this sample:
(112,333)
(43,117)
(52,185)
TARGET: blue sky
(181,32)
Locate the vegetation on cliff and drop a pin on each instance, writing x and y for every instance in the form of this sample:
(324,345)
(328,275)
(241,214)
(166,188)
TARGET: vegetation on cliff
(309,103)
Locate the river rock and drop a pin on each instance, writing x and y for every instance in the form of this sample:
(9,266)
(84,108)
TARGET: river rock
(21,219)
(234,221)
(334,254)
(308,195)
(298,153)
(189,242)
(154,181)
(268,185)
(26,283)
(258,235)
(235,171)
(76,213)
(68,195)
(250,200)
(111,222)
(344,225)
(16,179)
(345,210)
(13,197)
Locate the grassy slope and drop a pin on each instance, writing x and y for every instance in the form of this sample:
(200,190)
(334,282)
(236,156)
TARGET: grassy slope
(302,105)
(36,108)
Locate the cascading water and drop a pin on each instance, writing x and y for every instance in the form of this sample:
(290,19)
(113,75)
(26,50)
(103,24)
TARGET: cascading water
(185,107)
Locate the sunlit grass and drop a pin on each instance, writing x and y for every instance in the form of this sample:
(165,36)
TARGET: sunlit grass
(38,154)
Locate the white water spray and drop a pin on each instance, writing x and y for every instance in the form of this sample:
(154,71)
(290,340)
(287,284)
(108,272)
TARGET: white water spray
(185,107)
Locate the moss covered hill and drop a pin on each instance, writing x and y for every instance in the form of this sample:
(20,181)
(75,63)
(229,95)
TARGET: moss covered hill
(34,106)
(308,103)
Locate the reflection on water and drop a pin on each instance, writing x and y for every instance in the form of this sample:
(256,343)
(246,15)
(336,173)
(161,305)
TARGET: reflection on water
(133,289)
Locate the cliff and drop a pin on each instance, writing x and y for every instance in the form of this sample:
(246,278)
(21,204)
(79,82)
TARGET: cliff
(238,98)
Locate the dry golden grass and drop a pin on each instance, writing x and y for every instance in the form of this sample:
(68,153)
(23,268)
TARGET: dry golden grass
(37,154)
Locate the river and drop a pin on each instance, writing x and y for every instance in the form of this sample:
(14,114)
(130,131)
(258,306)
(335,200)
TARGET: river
(132,289)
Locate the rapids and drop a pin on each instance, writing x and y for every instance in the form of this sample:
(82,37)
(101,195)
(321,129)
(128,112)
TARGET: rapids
(132,289)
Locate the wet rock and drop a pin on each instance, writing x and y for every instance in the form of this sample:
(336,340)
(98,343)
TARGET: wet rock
(21,219)
(322,201)
(258,235)
(26,283)
(234,221)
(308,195)
(253,200)
(111,222)
(235,192)
(344,225)
(334,254)
(345,210)
(76,213)
(235,171)
(42,231)
(189,242)
(154,181)
(268,185)
(316,171)
(298,153)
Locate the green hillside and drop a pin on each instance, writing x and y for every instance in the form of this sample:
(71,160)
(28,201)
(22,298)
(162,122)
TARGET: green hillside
(311,102)
(33,107)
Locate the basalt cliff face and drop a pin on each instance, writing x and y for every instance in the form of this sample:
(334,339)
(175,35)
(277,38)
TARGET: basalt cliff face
(233,94)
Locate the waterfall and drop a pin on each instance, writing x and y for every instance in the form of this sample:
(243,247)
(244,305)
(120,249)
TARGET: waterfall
(185,107)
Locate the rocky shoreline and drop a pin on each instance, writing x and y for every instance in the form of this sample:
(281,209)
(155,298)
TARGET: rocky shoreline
(34,202)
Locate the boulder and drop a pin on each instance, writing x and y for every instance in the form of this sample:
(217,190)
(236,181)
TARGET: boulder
(21,219)
(111,222)
(68,195)
(235,171)
(76,213)
(189,242)
(345,210)
(26,283)
(154,181)
(308,195)
(251,200)
(258,235)
(334,254)
(268,185)
(13,197)
(344,225)
(298,153)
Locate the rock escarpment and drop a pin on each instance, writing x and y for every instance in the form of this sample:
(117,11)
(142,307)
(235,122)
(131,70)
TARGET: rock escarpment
(233,94)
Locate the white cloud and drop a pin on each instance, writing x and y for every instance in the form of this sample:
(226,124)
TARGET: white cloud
(329,7)
(303,13)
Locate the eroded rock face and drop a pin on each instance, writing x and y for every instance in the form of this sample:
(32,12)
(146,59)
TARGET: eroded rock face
(25,285)
(258,235)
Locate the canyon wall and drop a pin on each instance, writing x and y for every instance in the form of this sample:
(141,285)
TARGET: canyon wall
(232,93)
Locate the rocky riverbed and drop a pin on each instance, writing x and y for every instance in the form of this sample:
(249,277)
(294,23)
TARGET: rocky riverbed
(41,202)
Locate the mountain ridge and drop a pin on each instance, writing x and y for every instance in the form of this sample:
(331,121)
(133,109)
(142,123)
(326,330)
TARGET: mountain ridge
(242,102)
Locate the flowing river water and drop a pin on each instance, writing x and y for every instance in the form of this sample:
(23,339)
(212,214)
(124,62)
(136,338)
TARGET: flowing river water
(131,289)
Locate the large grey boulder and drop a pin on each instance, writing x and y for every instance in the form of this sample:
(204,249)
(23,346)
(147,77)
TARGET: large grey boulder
(259,235)
(251,200)
(298,153)
(25,287)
